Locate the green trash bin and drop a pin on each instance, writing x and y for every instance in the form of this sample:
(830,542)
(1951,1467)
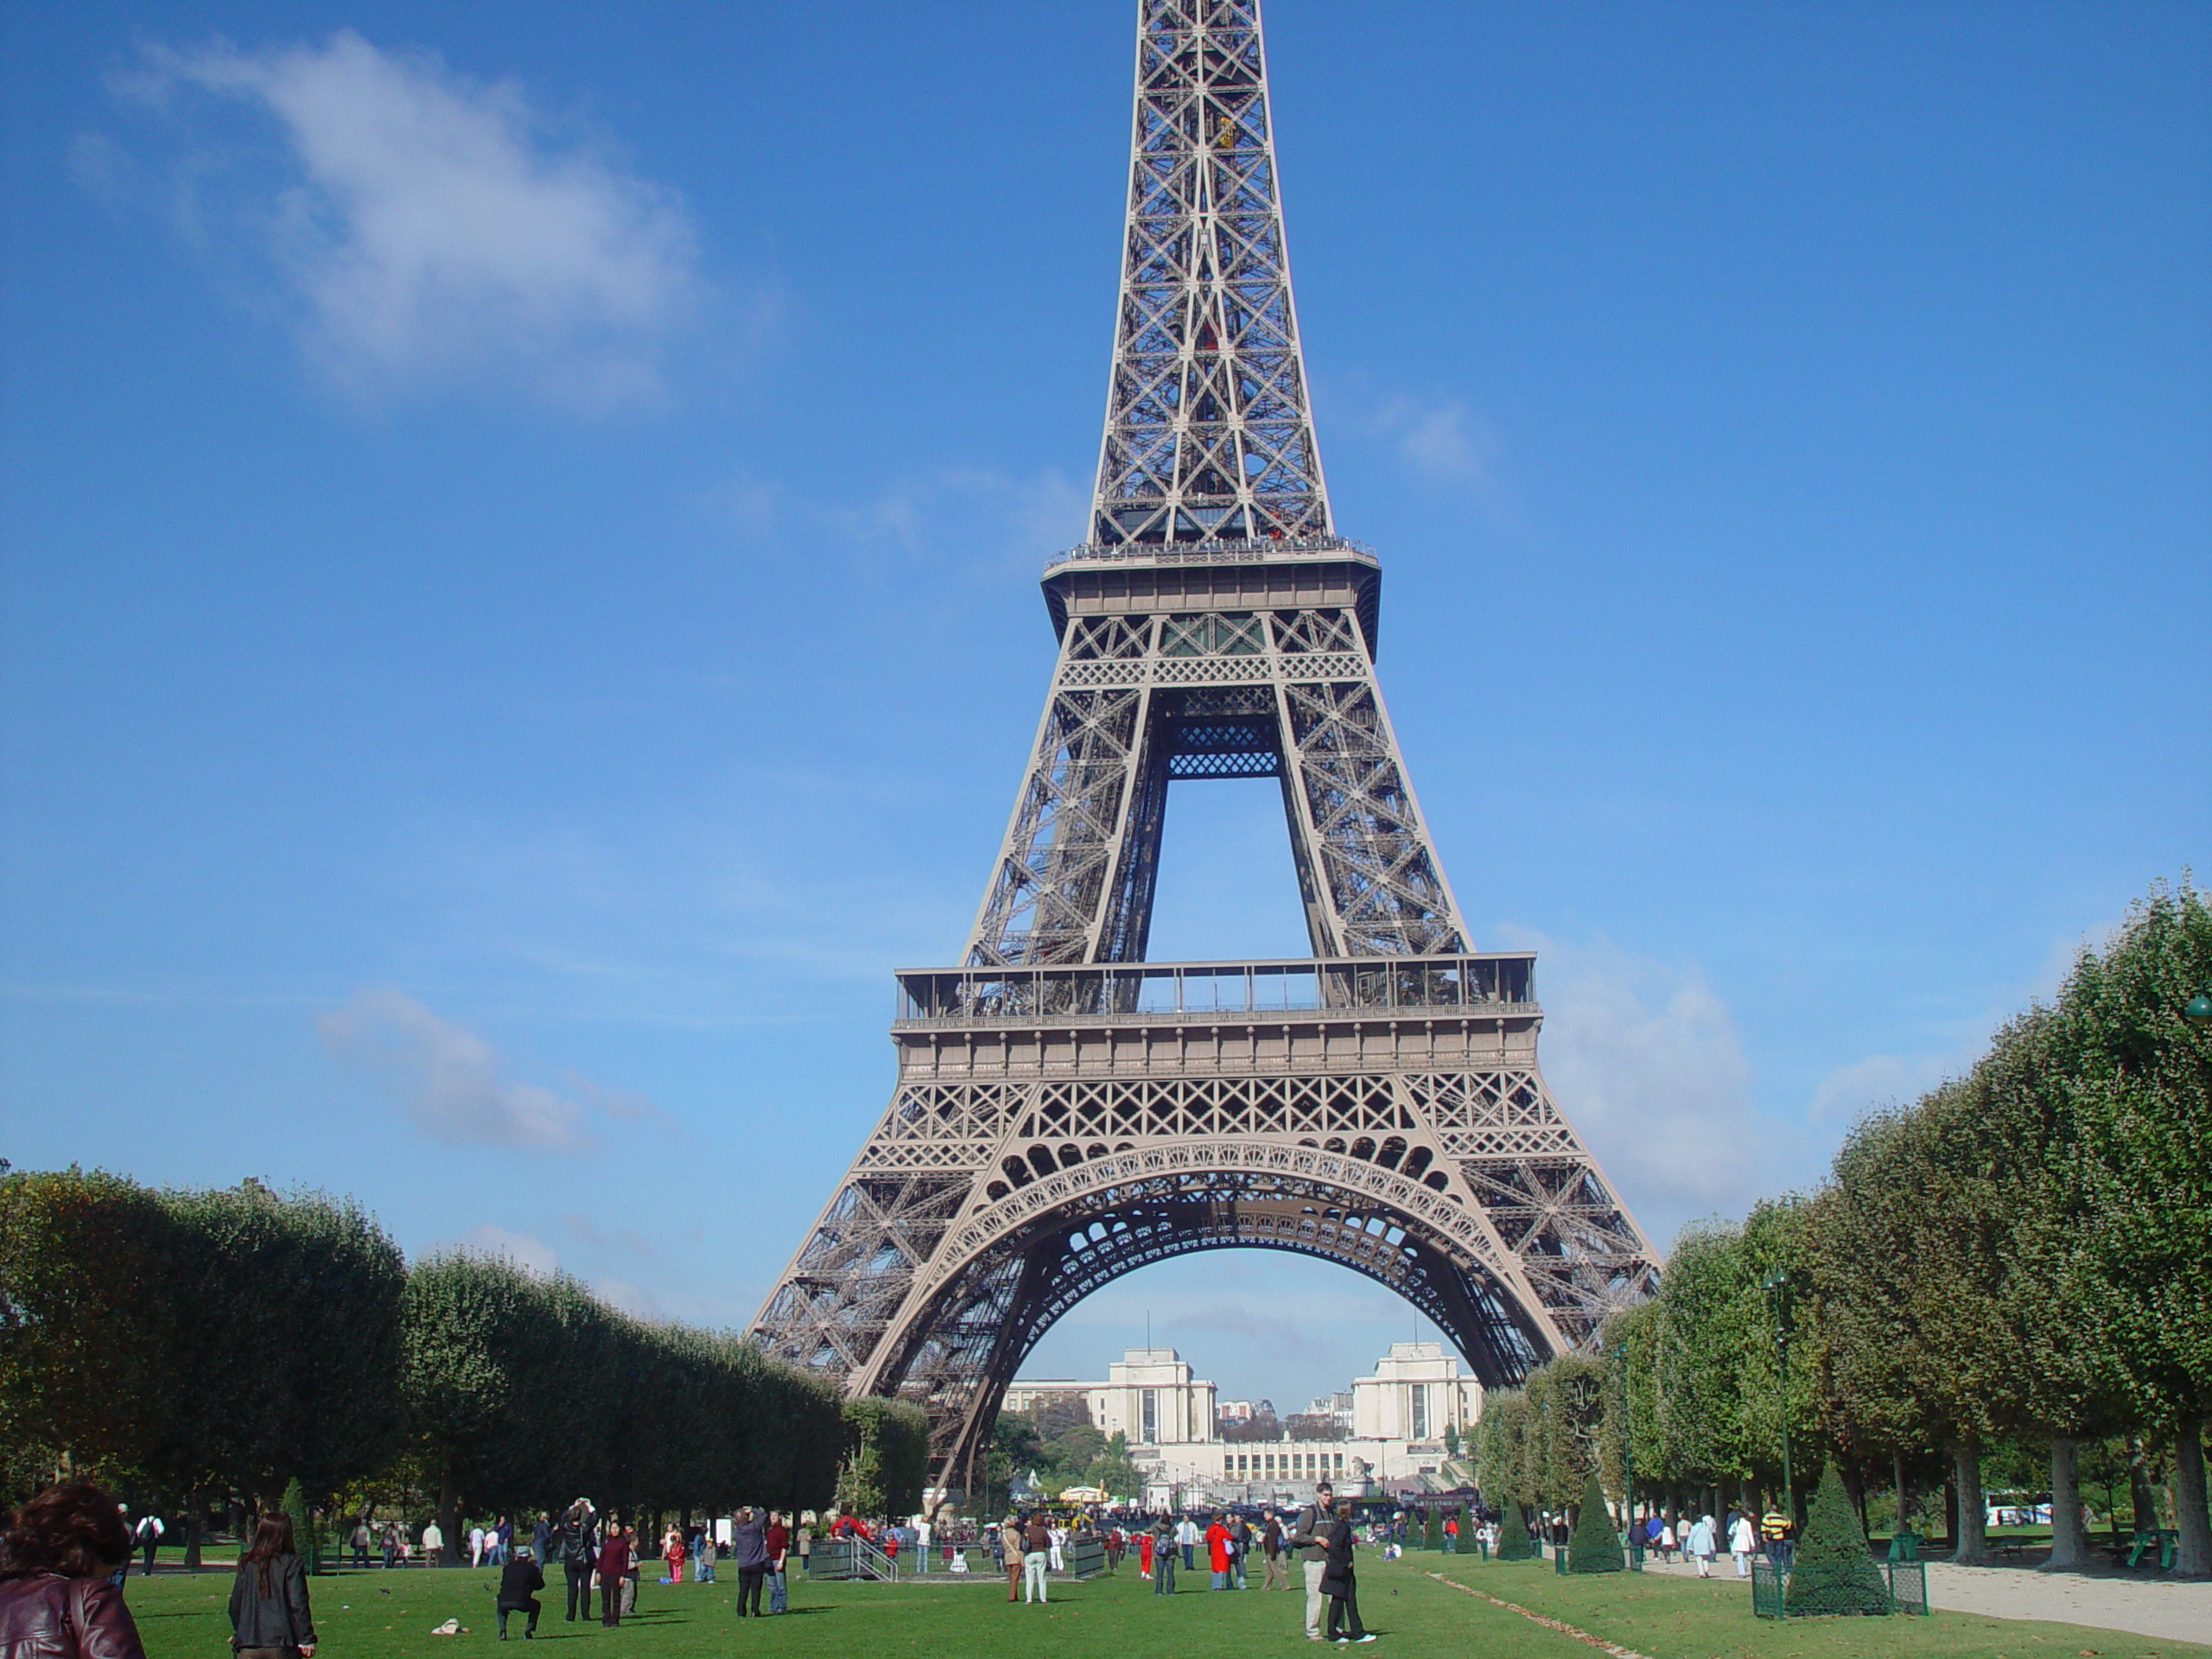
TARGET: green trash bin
(1905,1546)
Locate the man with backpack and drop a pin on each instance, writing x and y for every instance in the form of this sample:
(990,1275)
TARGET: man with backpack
(1309,1536)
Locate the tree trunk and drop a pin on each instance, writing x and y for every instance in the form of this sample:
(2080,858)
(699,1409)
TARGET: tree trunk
(2138,1484)
(449,1521)
(2070,1542)
(2193,1556)
(195,1530)
(1970,1545)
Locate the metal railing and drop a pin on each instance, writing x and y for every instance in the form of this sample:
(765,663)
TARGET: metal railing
(1106,991)
(1216,552)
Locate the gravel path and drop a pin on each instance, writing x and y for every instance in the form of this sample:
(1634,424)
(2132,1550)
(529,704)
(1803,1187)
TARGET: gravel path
(2141,1604)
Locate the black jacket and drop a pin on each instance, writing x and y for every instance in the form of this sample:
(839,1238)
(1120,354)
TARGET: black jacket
(1337,1576)
(519,1582)
(278,1619)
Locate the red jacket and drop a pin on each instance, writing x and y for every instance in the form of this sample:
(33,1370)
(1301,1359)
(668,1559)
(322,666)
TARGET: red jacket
(1217,1546)
(46,1615)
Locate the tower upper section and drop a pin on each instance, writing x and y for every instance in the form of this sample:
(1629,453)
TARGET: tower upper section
(1208,433)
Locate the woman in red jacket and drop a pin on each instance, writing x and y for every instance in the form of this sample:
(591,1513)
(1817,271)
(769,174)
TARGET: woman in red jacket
(1218,1551)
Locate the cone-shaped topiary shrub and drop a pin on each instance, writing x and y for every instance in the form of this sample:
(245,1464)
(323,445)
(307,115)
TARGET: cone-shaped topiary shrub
(1595,1547)
(1430,1534)
(294,1504)
(1834,1571)
(1513,1544)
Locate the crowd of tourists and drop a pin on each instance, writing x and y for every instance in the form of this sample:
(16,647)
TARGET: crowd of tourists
(65,1556)
(1320,1538)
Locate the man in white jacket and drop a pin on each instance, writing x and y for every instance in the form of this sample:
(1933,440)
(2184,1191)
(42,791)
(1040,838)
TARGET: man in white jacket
(1743,1539)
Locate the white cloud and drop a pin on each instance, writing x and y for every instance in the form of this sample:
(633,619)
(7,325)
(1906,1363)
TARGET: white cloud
(633,1300)
(428,229)
(450,1080)
(1849,1092)
(1645,1059)
(533,1254)
(1442,439)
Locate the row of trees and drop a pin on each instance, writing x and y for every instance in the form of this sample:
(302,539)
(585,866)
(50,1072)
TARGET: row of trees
(1056,1442)
(202,1346)
(2020,1259)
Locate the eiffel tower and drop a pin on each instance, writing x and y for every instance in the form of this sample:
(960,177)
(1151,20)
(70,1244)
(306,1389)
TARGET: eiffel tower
(1066,1111)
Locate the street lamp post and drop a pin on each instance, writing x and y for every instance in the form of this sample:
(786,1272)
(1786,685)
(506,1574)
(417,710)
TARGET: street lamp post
(1628,1455)
(1774,1283)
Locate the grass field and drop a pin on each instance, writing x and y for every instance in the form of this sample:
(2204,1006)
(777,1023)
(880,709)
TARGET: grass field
(380,1616)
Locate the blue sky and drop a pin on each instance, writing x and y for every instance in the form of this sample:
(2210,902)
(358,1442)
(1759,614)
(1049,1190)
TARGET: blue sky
(521,524)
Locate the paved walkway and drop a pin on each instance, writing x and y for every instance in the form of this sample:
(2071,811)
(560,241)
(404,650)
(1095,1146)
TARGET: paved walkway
(2140,1604)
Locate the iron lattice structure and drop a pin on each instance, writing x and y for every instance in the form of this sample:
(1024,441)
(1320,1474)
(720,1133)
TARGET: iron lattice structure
(1067,1112)
(1207,432)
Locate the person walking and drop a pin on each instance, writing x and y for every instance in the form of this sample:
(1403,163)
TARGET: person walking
(1743,1539)
(361,1538)
(434,1544)
(1163,1557)
(1701,1545)
(391,1545)
(541,1541)
(1309,1536)
(520,1581)
(270,1617)
(57,1595)
(1036,1557)
(776,1537)
(1339,1583)
(1144,1553)
(1186,1539)
(631,1579)
(476,1546)
(149,1536)
(1239,1547)
(1271,1553)
(748,1548)
(1216,1541)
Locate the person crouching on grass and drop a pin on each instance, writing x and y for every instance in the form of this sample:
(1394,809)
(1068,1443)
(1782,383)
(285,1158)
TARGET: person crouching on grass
(520,1581)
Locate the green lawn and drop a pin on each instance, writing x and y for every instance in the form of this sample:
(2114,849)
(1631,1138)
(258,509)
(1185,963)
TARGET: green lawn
(390,1617)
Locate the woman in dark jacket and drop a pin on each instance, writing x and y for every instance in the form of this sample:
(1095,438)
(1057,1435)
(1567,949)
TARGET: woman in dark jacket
(56,1601)
(269,1597)
(1339,1582)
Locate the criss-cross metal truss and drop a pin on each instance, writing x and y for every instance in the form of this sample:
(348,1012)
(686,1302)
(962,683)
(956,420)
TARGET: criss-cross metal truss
(1067,1112)
(1208,433)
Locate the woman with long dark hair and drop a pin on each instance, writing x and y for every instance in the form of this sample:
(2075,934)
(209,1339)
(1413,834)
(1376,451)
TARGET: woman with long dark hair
(56,1598)
(268,1598)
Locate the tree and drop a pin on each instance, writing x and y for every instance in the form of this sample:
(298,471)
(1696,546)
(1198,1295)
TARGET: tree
(1594,1545)
(1113,1471)
(87,1348)
(1260,1425)
(887,1460)
(1833,1572)
(2143,1099)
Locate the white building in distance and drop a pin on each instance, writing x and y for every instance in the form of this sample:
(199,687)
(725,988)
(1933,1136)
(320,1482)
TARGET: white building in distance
(1397,1420)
